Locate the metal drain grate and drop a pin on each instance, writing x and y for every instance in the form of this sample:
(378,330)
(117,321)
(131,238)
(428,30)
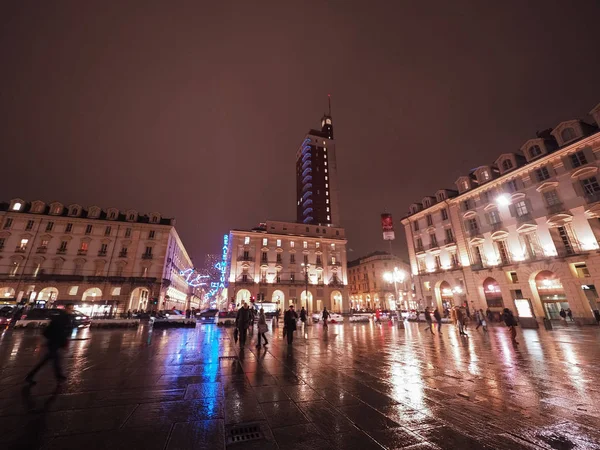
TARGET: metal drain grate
(244,433)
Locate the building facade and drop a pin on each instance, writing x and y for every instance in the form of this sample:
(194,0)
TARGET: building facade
(289,263)
(101,260)
(521,233)
(380,280)
(317,193)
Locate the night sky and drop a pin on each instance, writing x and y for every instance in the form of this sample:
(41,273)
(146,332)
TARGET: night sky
(196,109)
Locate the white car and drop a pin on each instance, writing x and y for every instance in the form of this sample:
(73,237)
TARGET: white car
(360,317)
(333,317)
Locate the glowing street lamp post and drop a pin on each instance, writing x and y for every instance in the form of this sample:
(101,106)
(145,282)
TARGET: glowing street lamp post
(395,277)
(305,268)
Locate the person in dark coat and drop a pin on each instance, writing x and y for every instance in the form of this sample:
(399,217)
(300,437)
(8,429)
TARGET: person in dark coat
(511,323)
(57,337)
(241,322)
(289,324)
(438,318)
(303,315)
(428,320)
(252,312)
(563,314)
(570,314)
(325,316)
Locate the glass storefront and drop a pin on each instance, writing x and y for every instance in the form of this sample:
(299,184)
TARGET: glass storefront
(552,294)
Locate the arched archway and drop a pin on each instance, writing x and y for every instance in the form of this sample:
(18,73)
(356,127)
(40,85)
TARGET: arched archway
(279,298)
(138,300)
(92,294)
(446,296)
(337,302)
(243,295)
(6,293)
(48,294)
(306,300)
(551,293)
(493,294)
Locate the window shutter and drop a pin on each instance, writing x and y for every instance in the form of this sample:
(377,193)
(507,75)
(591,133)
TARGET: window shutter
(578,188)
(529,206)
(589,154)
(513,210)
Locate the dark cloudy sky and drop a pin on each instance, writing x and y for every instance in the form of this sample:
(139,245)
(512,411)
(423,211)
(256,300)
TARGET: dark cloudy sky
(195,109)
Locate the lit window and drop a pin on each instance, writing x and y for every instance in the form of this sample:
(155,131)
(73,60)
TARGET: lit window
(116,291)
(84,247)
(485,175)
(325,156)
(73,290)
(305,244)
(326,185)
(325,162)
(278,242)
(333,260)
(326,178)
(17,206)
(325,170)
(332,246)
(521,208)
(327,201)
(264,242)
(24,244)
(327,193)
(318,244)
(328,209)
(246,240)
(292,244)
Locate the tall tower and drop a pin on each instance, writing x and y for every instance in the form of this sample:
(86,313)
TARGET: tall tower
(316,176)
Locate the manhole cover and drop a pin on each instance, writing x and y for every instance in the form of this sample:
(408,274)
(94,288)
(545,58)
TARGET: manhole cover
(244,433)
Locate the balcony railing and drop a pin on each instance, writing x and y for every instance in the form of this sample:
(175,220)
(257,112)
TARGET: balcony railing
(433,245)
(474,232)
(147,256)
(102,253)
(61,251)
(245,258)
(20,249)
(555,209)
(523,218)
(477,265)
(593,197)
(82,252)
(419,249)
(42,250)
(122,254)
(496,226)
(449,241)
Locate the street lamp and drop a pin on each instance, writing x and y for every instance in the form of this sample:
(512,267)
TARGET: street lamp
(397,276)
(306,268)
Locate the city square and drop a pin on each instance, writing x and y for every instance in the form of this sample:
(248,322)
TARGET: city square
(351,386)
(400,200)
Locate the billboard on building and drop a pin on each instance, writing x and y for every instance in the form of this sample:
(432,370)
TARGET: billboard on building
(387,225)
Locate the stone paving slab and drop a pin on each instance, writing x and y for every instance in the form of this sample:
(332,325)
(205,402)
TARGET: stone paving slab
(354,386)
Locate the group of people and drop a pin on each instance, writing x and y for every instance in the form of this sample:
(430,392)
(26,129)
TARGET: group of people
(246,317)
(460,318)
(564,313)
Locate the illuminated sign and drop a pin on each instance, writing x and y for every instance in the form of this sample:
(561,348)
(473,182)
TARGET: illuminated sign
(193,278)
(221,266)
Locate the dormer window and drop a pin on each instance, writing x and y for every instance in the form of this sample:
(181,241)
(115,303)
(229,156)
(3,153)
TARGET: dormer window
(441,196)
(534,151)
(465,186)
(485,175)
(17,206)
(568,134)
(507,165)
(131,217)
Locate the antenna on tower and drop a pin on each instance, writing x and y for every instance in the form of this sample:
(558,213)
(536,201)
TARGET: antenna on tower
(329,100)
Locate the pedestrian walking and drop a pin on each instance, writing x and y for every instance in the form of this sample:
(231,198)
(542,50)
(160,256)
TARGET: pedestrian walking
(262,327)
(252,312)
(438,318)
(303,316)
(570,314)
(481,322)
(511,323)
(489,315)
(289,324)
(242,320)
(129,314)
(378,316)
(325,316)
(57,337)
(460,320)
(563,314)
(428,320)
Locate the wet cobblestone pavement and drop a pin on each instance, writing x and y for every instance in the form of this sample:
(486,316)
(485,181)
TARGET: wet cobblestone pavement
(353,386)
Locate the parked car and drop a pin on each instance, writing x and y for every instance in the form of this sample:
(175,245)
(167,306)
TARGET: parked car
(333,317)
(40,317)
(170,314)
(226,318)
(360,317)
(207,316)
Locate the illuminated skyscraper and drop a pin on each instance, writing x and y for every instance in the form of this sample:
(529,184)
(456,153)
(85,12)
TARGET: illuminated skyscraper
(316,177)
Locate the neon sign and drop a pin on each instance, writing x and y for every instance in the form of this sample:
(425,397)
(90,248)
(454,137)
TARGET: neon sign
(192,280)
(221,266)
